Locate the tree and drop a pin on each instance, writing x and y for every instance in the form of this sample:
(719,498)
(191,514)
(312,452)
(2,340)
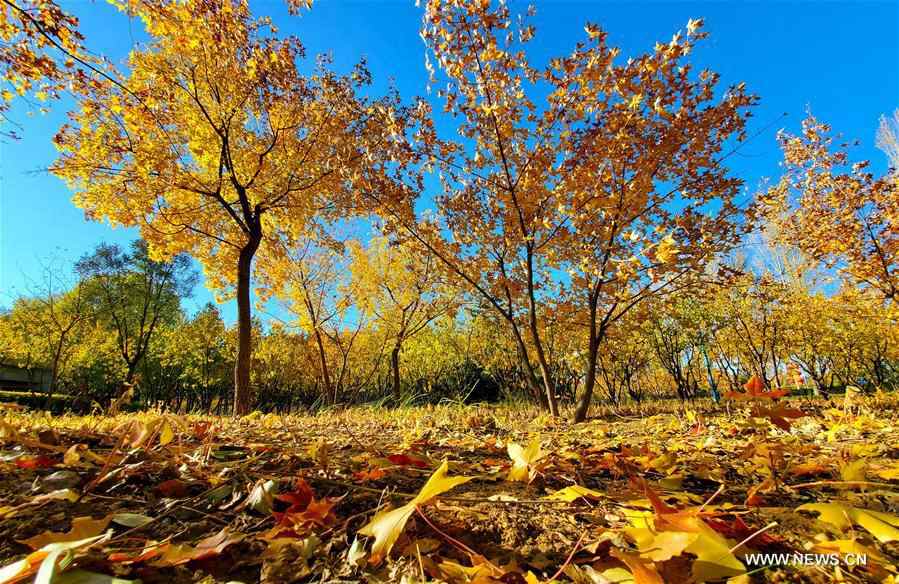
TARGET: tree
(316,291)
(401,288)
(134,294)
(838,212)
(216,145)
(42,328)
(586,183)
(40,50)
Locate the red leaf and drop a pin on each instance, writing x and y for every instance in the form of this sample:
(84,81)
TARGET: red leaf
(299,499)
(173,488)
(738,530)
(406,460)
(779,415)
(39,461)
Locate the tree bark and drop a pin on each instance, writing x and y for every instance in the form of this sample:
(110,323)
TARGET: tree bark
(583,405)
(330,392)
(242,392)
(395,367)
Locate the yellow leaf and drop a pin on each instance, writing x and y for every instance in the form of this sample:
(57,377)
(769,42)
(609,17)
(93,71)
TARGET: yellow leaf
(573,493)
(666,250)
(82,528)
(524,459)
(659,546)
(166,434)
(880,525)
(855,470)
(387,526)
(635,101)
(714,560)
(72,456)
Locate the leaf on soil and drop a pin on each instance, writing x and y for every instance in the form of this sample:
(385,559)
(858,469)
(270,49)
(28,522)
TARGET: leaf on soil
(82,528)
(177,554)
(32,562)
(131,519)
(387,526)
(524,459)
(883,526)
(573,493)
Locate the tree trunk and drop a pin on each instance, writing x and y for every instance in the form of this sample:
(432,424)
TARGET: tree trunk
(538,343)
(529,375)
(242,392)
(395,367)
(583,405)
(330,392)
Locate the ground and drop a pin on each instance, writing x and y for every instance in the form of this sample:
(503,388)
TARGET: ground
(662,493)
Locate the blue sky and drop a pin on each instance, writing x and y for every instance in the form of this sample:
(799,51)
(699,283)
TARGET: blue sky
(840,59)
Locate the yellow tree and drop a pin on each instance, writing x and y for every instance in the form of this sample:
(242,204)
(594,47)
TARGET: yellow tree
(43,328)
(215,145)
(403,290)
(836,211)
(40,50)
(315,288)
(612,172)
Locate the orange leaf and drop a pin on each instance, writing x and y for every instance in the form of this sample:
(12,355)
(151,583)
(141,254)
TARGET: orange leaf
(177,554)
(644,571)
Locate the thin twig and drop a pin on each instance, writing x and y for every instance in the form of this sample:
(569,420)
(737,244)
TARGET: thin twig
(574,550)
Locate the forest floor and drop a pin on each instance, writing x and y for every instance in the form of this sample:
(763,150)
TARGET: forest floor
(647,495)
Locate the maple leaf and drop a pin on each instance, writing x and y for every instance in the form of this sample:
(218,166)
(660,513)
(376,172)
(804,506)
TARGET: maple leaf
(172,488)
(387,526)
(755,389)
(644,572)
(780,415)
(303,512)
(299,498)
(714,560)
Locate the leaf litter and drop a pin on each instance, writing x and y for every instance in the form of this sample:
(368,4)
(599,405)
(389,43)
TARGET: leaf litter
(459,494)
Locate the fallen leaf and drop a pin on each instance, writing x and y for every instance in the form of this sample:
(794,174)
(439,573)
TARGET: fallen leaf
(523,459)
(39,461)
(855,470)
(177,554)
(573,493)
(32,562)
(82,528)
(131,519)
(643,570)
(883,526)
(408,460)
(172,488)
(387,526)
